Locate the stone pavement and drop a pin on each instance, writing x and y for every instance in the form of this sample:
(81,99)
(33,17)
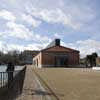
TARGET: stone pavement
(32,89)
(29,87)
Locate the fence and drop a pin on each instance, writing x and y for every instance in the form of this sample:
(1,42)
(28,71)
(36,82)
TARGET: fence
(15,87)
(4,77)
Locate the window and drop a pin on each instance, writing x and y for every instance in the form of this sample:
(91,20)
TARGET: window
(37,62)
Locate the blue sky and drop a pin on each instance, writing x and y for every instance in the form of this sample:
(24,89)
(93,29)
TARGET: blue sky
(32,24)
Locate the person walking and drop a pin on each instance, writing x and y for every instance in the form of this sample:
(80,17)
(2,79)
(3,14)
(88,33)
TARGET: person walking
(10,70)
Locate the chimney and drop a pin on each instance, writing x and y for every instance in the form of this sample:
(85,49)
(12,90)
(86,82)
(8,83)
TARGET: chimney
(57,42)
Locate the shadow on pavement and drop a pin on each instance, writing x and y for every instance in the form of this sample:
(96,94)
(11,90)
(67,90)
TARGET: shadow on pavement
(40,92)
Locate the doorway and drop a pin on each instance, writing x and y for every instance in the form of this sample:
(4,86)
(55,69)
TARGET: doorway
(61,61)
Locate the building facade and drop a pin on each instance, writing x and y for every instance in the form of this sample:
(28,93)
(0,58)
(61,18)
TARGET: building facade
(56,55)
(98,61)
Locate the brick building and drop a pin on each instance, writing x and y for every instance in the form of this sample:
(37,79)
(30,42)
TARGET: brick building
(98,61)
(55,55)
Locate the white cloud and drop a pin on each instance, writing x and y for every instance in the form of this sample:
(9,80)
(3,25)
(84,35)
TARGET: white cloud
(1,35)
(34,46)
(85,47)
(22,47)
(22,32)
(30,20)
(19,31)
(7,15)
(5,47)
(12,1)
(89,46)
(57,35)
(76,14)
(54,16)
(41,38)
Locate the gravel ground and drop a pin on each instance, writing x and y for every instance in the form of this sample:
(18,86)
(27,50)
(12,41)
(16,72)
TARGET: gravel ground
(72,83)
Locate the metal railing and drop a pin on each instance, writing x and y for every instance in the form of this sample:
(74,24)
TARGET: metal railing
(4,77)
(11,84)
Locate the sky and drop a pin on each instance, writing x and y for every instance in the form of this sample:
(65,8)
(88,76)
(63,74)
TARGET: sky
(33,24)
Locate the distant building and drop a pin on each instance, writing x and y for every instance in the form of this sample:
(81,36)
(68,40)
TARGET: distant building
(98,61)
(55,55)
(28,56)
